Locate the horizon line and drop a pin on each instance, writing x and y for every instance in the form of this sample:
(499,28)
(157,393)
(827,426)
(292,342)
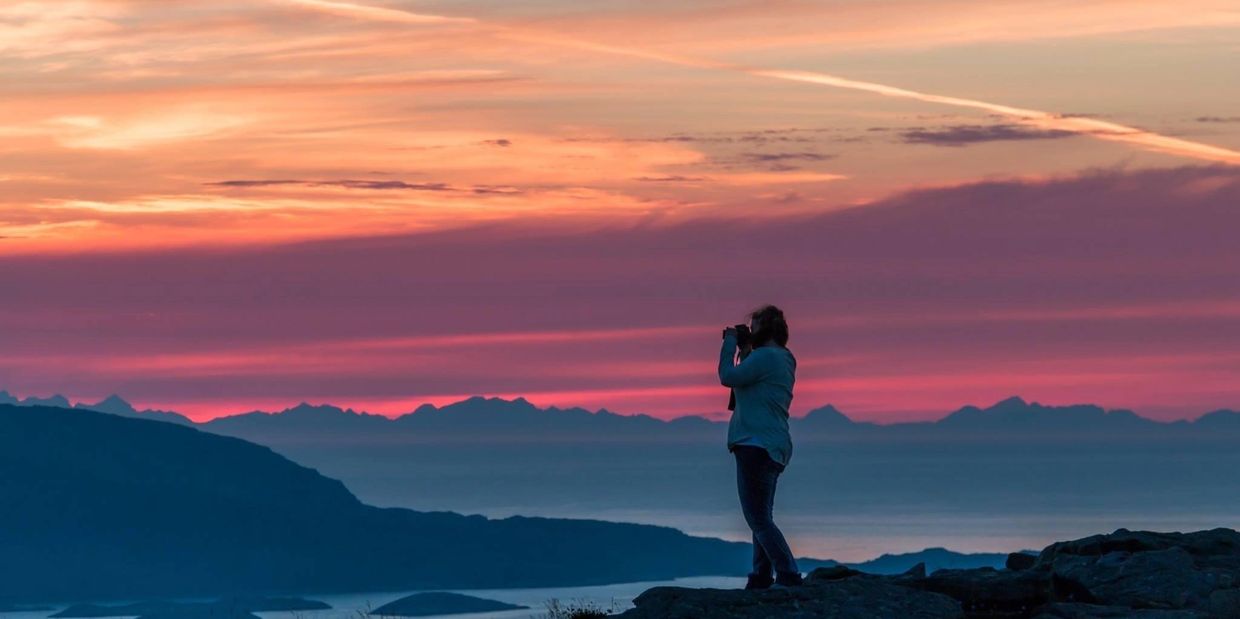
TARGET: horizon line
(350,410)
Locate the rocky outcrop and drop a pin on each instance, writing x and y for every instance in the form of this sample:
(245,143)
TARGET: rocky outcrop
(1138,574)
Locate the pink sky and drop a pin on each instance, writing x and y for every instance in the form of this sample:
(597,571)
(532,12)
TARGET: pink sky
(214,207)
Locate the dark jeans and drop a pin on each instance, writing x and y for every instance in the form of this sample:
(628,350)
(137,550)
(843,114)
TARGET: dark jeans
(756,476)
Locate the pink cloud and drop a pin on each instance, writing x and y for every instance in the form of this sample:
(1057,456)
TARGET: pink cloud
(1113,287)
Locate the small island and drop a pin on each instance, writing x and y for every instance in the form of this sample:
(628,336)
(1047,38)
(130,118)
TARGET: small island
(441,603)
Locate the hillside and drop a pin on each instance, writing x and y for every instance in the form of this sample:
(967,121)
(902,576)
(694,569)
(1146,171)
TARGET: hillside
(102,506)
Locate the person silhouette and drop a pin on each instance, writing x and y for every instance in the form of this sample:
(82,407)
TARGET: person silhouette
(759,438)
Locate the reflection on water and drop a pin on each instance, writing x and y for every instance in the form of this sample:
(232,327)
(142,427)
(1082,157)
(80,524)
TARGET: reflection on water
(861,536)
(621,596)
(355,605)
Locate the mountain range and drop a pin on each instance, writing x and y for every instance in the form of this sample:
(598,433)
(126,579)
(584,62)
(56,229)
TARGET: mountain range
(487,418)
(1011,475)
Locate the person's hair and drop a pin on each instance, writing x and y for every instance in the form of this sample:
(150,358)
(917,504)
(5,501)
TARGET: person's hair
(771,326)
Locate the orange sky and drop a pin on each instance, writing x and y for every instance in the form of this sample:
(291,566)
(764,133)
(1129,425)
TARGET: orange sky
(176,126)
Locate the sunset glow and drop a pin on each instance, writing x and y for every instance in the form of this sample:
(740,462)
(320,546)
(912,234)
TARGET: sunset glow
(216,207)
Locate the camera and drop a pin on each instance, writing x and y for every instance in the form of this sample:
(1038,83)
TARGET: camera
(742,335)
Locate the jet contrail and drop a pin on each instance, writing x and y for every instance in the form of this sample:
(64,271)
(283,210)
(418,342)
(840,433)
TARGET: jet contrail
(1088,126)
(378,13)
(1100,129)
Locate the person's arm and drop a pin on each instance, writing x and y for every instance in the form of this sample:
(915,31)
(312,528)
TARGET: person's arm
(749,371)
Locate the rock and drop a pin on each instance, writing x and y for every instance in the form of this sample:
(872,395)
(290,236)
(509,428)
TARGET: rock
(1140,574)
(1151,579)
(1216,548)
(1224,603)
(1093,611)
(858,597)
(440,603)
(835,572)
(1018,561)
(917,571)
(987,590)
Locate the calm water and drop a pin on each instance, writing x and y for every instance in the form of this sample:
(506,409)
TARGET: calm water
(844,502)
(354,605)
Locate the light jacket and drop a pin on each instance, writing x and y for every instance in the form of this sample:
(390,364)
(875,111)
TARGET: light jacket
(763,385)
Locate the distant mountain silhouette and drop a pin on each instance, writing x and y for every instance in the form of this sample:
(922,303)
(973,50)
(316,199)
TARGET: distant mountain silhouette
(1004,463)
(113,404)
(485,417)
(933,558)
(492,417)
(1016,414)
(101,506)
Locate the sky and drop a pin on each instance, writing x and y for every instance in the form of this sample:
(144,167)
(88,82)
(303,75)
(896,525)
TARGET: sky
(217,207)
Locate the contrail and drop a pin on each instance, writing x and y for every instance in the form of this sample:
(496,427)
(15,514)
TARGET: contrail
(378,13)
(1100,129)
(1088,126)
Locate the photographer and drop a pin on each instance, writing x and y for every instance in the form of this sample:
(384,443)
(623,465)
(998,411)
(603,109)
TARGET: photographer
(758,434)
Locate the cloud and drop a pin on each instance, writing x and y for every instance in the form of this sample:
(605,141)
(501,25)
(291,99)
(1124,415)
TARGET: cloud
(784,157)
(962,135)
(1218,119)
(1100,129)
(934,297)
(132,131)
(346,183)
(378,13)
(670,178)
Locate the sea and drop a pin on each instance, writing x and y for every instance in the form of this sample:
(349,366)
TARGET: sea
(610,598)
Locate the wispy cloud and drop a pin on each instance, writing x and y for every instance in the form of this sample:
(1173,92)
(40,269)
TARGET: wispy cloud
(930,291)
(378,13)
(1037,118)
(961,135)
(1100,129)
(346,183)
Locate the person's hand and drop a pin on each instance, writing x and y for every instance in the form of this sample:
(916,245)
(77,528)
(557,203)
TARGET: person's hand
(729,331)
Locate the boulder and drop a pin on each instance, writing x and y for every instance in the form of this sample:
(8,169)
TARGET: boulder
(1224,603)
(1018,561)
(1165,578)
(834,572)
(917,571)
(987,590)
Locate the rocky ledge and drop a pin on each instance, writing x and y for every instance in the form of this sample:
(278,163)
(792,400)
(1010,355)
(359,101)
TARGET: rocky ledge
(1141,574)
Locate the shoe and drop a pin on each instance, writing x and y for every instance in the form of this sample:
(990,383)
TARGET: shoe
(788,579)
(759,582)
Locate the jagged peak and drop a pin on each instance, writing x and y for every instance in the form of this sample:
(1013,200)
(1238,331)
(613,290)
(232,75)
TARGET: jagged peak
(306,408)
(52,400)
(1014,401)
(827,412)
